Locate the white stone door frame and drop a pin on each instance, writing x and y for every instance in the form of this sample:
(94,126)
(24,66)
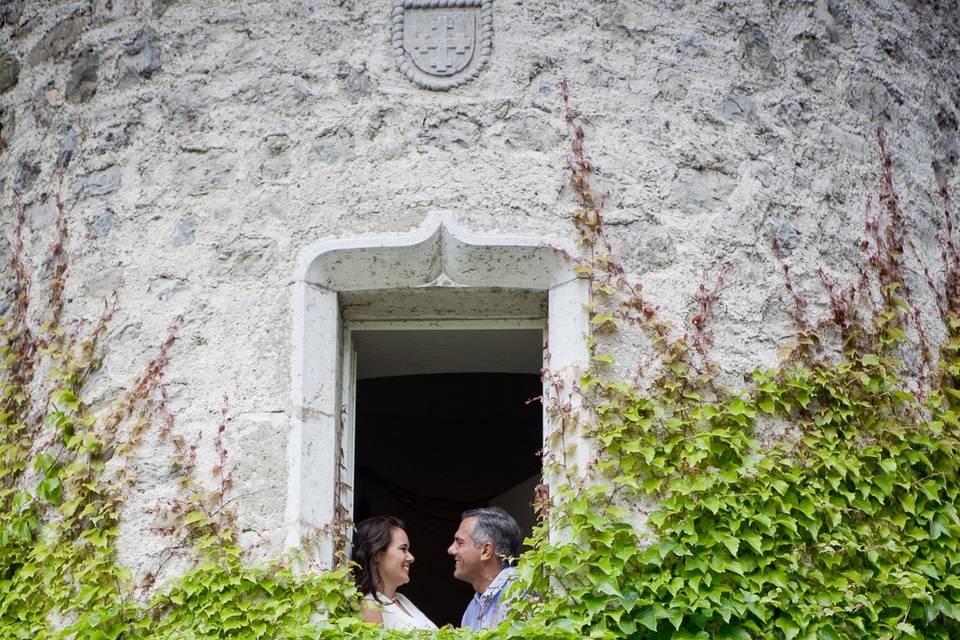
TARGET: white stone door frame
(438,253)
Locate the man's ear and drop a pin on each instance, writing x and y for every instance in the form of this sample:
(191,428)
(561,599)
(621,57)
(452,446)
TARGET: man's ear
(487,551)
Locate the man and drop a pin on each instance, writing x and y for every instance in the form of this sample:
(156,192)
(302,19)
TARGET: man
(483,547)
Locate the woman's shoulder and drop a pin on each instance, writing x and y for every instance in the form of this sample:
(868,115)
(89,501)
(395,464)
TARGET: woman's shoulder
(418,618)
(403,600)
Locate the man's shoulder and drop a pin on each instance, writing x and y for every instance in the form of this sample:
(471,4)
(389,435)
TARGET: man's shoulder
(506,576)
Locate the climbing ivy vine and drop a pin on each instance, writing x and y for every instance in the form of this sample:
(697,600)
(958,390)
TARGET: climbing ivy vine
(685,525)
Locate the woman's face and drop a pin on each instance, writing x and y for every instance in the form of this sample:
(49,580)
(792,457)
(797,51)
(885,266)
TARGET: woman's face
(393,564)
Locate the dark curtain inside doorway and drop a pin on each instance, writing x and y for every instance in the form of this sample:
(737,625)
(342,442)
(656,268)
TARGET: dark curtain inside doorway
(431,446)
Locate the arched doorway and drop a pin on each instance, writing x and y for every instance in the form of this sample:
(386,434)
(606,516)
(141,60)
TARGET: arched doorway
(436,274)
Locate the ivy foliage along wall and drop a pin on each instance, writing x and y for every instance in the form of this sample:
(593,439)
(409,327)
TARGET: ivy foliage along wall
(846,527)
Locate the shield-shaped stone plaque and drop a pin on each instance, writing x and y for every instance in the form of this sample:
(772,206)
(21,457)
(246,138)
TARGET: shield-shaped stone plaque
(440,44)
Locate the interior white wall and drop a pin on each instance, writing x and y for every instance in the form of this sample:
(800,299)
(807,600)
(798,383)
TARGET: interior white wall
(500,347)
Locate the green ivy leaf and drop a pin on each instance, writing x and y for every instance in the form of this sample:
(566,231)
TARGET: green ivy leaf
(790,630)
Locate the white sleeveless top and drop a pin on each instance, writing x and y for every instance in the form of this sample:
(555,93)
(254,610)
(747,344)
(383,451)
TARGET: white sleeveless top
(395,618)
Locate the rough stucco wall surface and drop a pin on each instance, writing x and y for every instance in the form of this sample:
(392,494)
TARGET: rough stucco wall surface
(206,142)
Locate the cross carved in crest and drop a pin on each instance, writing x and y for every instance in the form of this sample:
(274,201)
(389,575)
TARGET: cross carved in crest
(442,43)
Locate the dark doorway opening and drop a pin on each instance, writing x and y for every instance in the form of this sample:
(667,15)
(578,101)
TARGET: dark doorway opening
(430,445)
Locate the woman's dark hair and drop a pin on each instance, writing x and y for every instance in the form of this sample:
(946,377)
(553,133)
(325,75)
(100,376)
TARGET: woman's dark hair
(371,537)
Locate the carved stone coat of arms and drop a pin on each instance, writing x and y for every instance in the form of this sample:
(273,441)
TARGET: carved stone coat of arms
(441,44)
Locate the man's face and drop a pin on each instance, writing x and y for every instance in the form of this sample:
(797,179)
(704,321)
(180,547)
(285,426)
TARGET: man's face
(466,555)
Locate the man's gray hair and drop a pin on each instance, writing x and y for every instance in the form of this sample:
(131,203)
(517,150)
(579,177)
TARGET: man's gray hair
(496,526)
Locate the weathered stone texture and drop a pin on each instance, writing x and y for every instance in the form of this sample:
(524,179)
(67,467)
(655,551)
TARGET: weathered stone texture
(58,39)
(81,82)
(9,71)
(206,142)
(140,60)
(101,225)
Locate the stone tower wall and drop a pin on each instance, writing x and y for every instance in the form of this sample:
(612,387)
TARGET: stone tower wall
(205,143)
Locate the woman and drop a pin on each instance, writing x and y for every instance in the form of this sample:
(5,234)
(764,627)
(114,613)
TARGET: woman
(381,553)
